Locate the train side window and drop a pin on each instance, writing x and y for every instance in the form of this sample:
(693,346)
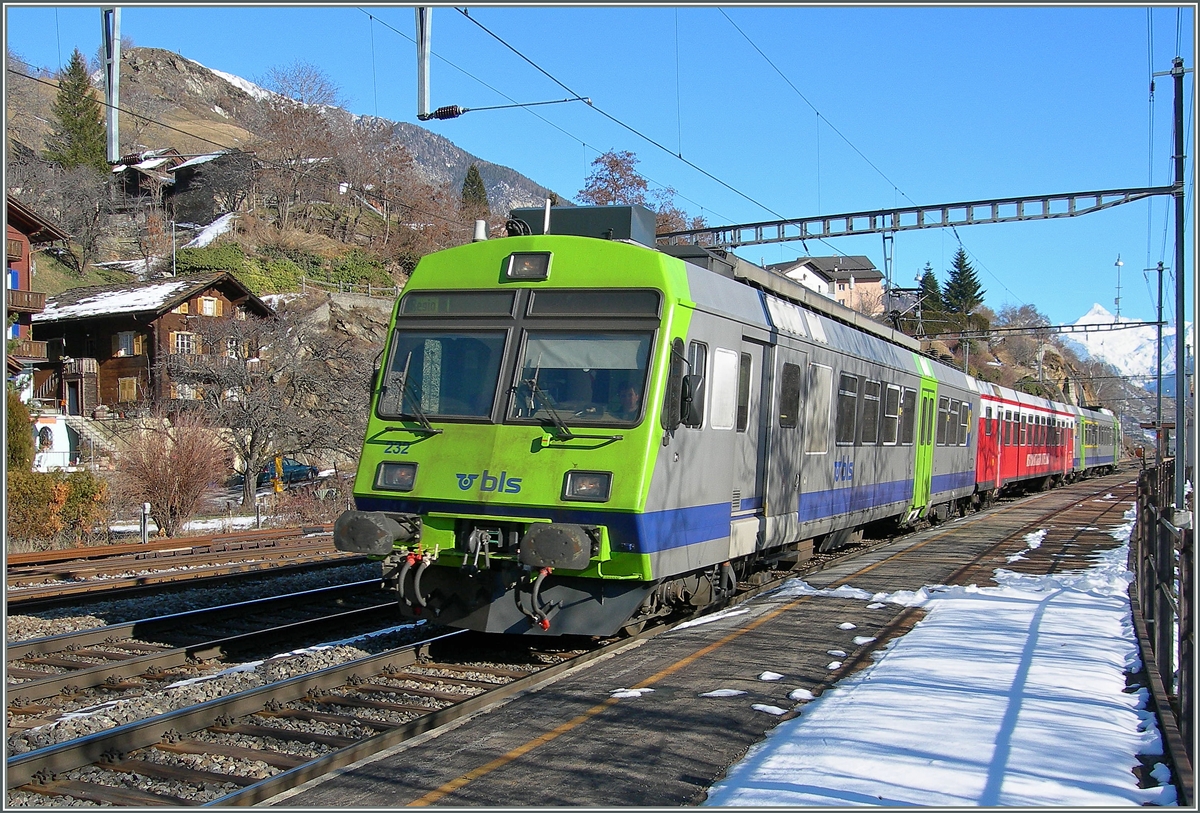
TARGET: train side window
(818,406)
(869,429)
(943,420)
(908,414)
(789,396)
(1008,428)
(743,393)
(891,415)
(1024,441)
(964,423)
(698,364)
(847,406)
(987,421)
(724,381)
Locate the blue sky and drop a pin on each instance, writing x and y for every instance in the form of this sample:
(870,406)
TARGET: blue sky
(845,109)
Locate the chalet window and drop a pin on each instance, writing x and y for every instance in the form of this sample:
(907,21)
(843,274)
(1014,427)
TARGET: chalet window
(185,343)
(183,308)
(240,313)
(185,392)
(126,390)
(124,343)
(210,306)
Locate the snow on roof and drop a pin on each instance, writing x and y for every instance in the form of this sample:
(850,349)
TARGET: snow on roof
(200,159)
(210,232)
(80,303)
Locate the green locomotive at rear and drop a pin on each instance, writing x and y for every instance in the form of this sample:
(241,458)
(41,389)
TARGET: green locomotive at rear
(514,426)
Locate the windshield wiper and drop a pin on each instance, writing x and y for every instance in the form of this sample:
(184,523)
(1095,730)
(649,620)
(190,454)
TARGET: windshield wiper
(564,431)
(422,418)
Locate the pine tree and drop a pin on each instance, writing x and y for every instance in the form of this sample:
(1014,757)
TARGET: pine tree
(474,193)
(78,137)
(931,292)
(962,293)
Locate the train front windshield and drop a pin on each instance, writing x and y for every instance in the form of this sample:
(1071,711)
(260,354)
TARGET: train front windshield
(442,373)
(581,377)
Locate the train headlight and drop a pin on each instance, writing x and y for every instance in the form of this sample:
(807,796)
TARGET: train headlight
(396,476)
(528,265)
(590,486)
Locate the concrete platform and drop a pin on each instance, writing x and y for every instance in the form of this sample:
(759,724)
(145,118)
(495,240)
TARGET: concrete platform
(573,744)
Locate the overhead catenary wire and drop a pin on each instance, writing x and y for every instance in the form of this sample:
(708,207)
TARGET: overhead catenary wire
(572,136)
(620,123)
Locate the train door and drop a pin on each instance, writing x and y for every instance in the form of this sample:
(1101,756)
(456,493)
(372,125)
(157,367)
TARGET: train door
(785,446)
(923,466)
(748,463)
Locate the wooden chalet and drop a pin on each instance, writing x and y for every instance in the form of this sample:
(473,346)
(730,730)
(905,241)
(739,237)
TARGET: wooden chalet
(105,341)
(25,230)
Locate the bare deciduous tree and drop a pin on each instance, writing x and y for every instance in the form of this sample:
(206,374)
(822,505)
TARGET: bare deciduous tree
(297,141)
(282,385)
(172,466)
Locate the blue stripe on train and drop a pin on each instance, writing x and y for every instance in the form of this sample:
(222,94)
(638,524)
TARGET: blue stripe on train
(823,504)
(661,530)
(952,481)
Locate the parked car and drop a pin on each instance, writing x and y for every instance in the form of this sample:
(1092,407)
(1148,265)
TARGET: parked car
(293,471)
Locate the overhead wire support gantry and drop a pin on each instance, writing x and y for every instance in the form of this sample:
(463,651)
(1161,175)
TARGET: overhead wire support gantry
(905,218)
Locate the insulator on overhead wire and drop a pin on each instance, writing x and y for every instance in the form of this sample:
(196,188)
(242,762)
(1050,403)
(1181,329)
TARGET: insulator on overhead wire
(449,112)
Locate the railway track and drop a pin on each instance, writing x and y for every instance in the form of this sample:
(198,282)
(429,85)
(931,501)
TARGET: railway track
(137,655)
(246,747)
(57,578)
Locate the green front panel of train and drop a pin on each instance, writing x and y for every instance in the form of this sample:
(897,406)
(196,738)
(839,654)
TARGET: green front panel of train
(522,466)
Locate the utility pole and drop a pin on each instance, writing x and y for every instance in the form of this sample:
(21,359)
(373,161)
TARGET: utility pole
(1158,432)
(1118,264)
(110,24)
(1182,435)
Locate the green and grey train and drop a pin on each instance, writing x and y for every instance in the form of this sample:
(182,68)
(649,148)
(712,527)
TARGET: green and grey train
(578,432)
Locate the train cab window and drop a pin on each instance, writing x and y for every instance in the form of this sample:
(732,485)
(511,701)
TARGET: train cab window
(943,420)
(868,434)
(891,415)
(817,408)
(582,377)
(443,373)
(964,423)
(847,409)
(697,366)
(789,396)
(743,393)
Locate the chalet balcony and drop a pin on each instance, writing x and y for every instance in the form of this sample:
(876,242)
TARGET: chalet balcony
(25,301)
(29,350)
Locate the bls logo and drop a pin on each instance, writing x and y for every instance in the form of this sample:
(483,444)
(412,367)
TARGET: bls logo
(490,482)
(843,470)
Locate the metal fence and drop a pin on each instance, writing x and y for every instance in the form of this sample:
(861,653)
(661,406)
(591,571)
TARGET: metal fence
(1164,567)
(362,289)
